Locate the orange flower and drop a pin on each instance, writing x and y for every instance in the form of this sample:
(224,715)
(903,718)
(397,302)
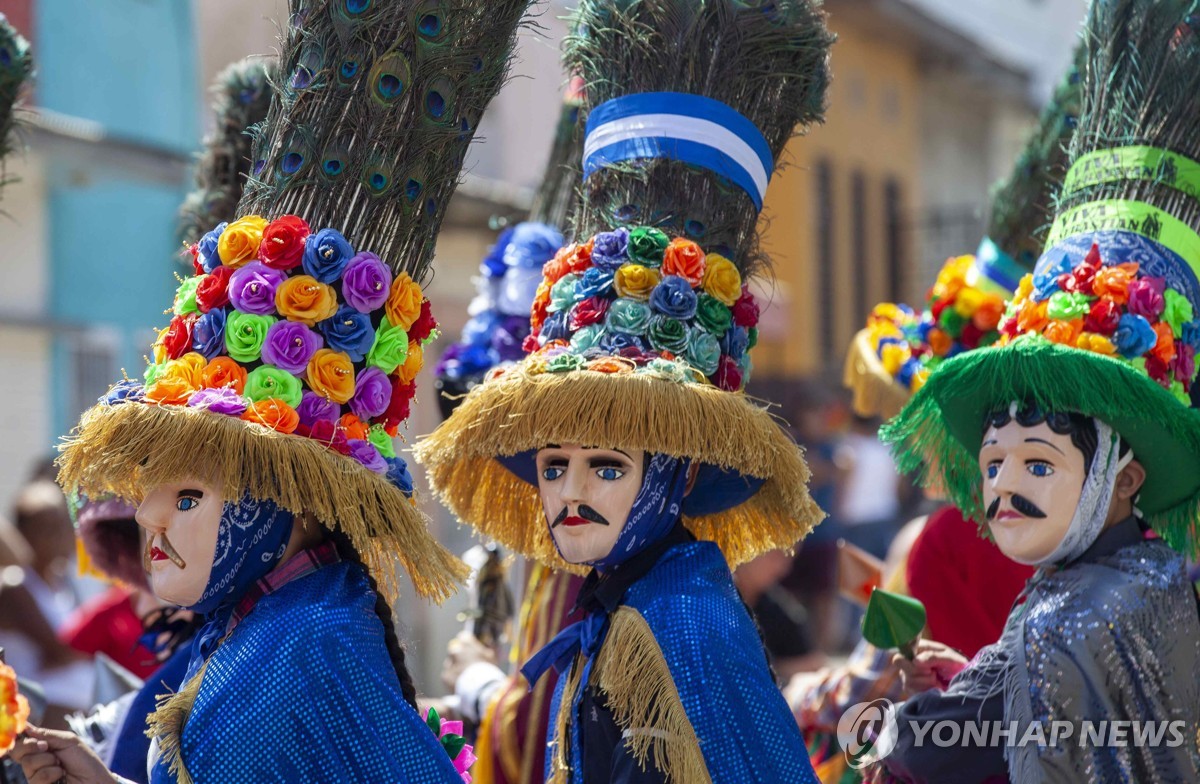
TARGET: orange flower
(404,302)
(170,391)
(987,316)
(540,308)
(305,299)
(1032,317)
(14,709)
(1164,349)
(353,427)
(1113,282)
(331,375)
(685,259)
(412,365)
(224,372)
(240,241)
(579,257)
(273,413)
(939,341)
(1065,332)
(609,365)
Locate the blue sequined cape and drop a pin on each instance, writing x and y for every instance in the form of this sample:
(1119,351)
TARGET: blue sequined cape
(735,715)
(303,690)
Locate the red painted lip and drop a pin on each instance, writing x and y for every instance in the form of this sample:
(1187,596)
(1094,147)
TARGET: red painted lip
(574,521)
(158,555)
(1010,514)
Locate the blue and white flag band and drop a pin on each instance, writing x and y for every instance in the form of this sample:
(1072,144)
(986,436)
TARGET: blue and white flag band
(687,128)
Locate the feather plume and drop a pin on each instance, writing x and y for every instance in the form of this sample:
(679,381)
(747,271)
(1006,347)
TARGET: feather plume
(241,95)
(375,106)
(16,70)
(768,59)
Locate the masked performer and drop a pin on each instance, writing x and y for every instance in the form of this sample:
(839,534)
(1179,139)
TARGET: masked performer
(1075,443)
(260,445)
(624,444)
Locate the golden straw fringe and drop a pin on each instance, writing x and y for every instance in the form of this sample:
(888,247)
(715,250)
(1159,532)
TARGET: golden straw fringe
(633,675)
(129,449)
(167,723)
(523,412)
(875,392)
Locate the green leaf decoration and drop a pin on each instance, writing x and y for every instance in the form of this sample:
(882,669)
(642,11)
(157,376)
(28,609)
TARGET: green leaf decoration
(453,744)
(893,621)
(434,721)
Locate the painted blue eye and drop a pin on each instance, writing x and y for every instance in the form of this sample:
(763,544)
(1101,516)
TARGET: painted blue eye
(186,504)
(1040,469)
(550,474)
(610,474)
(993,471)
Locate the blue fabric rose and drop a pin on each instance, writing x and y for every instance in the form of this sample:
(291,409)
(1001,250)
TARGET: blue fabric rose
(674,297)
(1134,336)
(555,327)
(207,249)
(128,391)
(532,244)
(609,249)
(493,265)
(627,315)
(348,331)
(326,255)
(735,342)
(1045,282)
(208,335)
(615,342)
(703,351)
(1191,335)
(398,475)
(587,338)
(596,282)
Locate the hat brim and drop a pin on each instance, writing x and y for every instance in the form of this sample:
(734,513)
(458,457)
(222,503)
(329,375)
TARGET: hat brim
(754,496)
(875,393)
(941,429)
(128,449)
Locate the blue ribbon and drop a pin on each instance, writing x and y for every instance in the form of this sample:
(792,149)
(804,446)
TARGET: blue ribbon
(580,637)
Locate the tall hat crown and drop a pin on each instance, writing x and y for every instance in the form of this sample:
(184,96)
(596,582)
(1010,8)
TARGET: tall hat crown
(1106,325)
(289,363)
(16,69)
(891,358)
(642,328)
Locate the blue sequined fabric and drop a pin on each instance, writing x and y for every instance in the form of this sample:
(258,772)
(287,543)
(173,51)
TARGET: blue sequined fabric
(303,690)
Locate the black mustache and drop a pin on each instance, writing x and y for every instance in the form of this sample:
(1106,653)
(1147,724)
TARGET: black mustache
(1019,503)
(585,511)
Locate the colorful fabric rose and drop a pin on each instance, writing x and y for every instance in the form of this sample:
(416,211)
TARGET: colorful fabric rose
(736,342)
(382,441)
(398,408)
(1146,298)
(556,327)
(728,376)
(1191,334)
(221,400)
(208,334)
(609,249)
(627,315)
(354,427)
(1158,370)
(1184,366)
(1164,345)
(684,258)
(398,474)
(1134,336)
(713,315)
(587,338)
(314,408)
(151,373)
(1097,344)
(667,334)
(290,345)
(1045,282)
(206,249)
(564,363)
(618,342)
(1103,317)
(127,391)
(372,393)
(274,414)
(390,347)
(745,310)
(1032,317)
(266,382)
(595,282)
(1068,307)
(1063,332)
(331,375)
(305,299)
(326,254)
(987,316)
(169,390)
(635,281)
(367,283)
(348,331)
(326,433)
(703,351)
(240,241)
(224,373)
(212,291)
(722,279)
(674,297)
(176,339)
(422,330)
(245,334)
(283,242)
(587,312)
(1177,310)
(252,288)
(647,246)
(562,293)
(368,456)
(185,297)
(412,363)
(403,305)
(1113,282)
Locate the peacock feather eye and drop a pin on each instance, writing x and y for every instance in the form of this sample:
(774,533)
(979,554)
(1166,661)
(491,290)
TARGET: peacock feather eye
(390,77)
(291,163)
(412,190)
(349,69)
(430,26)
(435,104)
(626,213)
(356,7)
(695,228)
(333,167)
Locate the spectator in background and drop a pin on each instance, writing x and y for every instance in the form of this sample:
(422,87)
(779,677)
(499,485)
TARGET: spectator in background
(781,618)
(869,497)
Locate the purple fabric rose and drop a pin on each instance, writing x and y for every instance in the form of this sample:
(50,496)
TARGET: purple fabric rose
(366,454)
(608,250)
(207,249)
(366,283)
(313,408)
(290,345)
(208,335)
(1184,363)
(1146,298)
(674,297)
(348,331)
(326,255)
(219,401)
(372,393)
(252,288)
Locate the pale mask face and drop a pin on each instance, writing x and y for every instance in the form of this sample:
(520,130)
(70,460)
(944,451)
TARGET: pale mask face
(1032,483)
(180,521)
(587,495)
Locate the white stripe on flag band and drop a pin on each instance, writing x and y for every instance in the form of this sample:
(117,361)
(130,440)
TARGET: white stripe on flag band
(682,127)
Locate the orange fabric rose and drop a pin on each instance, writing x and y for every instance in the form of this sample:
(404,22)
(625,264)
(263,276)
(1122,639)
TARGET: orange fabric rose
(685,259)
(305,299)
(224,372)
(579,257)
(1164,349)
(988,315)
(240,241)
(1112,283)
(404,302)
(331,375)
(353,427)
(413,364)
(1065,332)
(170,390)
(939,341)
(273,413)
(609,365)
(1032,317)
(540,308)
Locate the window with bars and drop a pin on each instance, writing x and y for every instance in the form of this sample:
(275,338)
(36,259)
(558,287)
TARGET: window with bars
(92,358)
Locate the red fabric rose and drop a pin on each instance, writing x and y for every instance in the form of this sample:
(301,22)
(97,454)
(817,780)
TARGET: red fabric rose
(530,344)
(282,245)
(971,335)
(587,312)
(177,340)
(213,291)
(1158,370)
(425,323)
(194,252)
(745,310)
(329,434)
(1103,317)
(399,407)
(940,305)
(728,376)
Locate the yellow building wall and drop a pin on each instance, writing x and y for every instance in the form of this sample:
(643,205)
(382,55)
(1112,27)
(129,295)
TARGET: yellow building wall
(871,127)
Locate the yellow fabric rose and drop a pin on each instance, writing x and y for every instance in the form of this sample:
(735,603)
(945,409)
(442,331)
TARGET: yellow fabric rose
(178,379)
(635,281)
(412,366)
(239,242)
(331,375)
(305,299)
(404,301)
(1090,341)
(968,301)
(722,280)
(159,350)
(893,358)
(190,366)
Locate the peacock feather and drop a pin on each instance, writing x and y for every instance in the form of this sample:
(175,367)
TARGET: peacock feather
(241,95)
(1022,205)
(375,108)
(768,59)
(16,69)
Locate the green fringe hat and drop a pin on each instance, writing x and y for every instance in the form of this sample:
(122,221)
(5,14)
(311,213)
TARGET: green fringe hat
(1106,325)
(642,329)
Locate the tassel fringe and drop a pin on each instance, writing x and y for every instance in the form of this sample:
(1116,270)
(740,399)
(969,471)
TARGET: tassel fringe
(167,722)
(129,449)
(875,392)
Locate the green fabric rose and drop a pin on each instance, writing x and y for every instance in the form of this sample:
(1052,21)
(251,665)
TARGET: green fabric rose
(1177,311)
(245,334)
(267,382)
(586,338)
(628,316)
(647,246)
(152,373)
(1066,306)
(703,351)
(667,334)
(185,297)
(562,293)
(390,349)
(564,363)
(751,338)
(713,315)
(952,322)
(382,441)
